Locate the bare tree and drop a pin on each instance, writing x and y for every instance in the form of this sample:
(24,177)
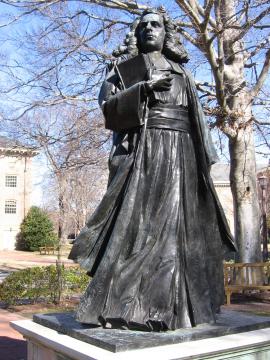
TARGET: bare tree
(68,51)
(86,187)
(223,31)
(71,141)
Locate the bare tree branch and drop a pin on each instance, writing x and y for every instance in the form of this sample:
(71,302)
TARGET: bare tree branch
(258,47)
(263,75)
(250,23)
(191,9)
(207,12)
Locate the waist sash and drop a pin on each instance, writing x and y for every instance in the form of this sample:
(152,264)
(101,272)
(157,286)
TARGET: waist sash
(164,117)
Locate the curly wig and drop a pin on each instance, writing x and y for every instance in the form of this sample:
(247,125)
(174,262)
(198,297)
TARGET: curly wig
(173,49)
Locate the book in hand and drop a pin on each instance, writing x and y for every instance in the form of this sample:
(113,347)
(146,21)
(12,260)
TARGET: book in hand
(132,71)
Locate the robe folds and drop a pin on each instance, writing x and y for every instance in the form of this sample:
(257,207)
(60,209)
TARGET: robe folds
(155,244)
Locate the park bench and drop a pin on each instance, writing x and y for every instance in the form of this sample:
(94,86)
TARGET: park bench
(245,276)
(43,250)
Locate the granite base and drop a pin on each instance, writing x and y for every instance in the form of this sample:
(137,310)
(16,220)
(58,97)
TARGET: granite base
(115,340)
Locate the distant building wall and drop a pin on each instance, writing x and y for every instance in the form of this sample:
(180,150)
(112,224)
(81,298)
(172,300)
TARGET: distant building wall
(220,173)
(224,193)
(15,191)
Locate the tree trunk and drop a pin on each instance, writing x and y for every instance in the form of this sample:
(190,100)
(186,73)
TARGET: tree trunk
(59,265)
(237,106)
(244,190)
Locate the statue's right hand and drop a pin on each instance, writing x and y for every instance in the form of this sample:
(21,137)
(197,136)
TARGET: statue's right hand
(163,83)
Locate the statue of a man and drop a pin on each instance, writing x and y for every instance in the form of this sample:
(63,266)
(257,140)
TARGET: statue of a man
(154,246)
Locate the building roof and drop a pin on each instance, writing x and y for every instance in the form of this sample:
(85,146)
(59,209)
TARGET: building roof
(220,172)
(260,167)
(15,148)
(6,142)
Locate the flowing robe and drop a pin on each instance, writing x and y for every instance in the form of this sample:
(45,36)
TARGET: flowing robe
(154,246)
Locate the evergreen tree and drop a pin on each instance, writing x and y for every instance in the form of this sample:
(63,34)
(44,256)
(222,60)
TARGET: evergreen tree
(36,230)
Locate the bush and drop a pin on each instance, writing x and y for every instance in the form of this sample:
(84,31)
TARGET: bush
(36,231)
(40,283)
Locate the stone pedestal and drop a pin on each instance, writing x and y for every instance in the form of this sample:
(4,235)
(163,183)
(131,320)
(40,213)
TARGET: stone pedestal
(64,339)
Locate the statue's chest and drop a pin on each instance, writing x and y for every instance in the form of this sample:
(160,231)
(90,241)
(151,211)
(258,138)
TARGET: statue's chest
(177,94)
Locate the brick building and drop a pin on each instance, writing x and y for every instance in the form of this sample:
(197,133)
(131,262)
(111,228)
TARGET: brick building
(15,189)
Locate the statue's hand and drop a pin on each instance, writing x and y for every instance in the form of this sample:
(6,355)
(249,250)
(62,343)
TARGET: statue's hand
(163,83)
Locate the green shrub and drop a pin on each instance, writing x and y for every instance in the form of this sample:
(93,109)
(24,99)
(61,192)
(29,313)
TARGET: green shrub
(36,230)
(41,283)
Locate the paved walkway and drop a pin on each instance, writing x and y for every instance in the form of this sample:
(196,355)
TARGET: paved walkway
(12,344)
(22,259)
(15,260)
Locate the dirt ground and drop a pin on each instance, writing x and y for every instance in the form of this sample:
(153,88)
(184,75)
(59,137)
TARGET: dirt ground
(256,303)
(27,310)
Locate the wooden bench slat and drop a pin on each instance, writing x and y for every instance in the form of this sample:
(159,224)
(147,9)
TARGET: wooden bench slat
(245,287)
(46,250)
(246,276)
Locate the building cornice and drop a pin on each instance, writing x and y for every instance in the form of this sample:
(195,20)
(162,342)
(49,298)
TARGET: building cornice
(17,151)
(221,183)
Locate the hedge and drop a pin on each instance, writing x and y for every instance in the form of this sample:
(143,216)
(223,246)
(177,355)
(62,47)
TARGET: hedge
(41,283)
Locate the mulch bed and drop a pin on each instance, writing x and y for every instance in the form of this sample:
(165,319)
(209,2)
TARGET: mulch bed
(254,302)
(27,310)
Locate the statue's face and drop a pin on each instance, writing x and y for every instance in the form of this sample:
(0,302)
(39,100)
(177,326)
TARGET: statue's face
(151,33)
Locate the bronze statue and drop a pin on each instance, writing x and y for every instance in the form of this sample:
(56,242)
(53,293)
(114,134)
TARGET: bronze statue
(155,244)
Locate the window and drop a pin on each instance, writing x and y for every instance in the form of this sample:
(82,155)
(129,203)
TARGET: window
(11,181)
(10,207)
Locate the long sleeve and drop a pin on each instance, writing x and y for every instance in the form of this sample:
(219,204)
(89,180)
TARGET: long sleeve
(122,109)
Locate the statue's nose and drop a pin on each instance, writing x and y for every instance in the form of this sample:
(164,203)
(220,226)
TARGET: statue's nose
(148,26)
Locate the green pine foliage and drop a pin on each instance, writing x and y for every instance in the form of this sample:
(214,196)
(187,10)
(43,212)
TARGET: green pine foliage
(36,231)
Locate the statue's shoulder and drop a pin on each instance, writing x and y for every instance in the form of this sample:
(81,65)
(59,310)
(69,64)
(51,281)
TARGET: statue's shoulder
(117,61)
(123,58)
(112,65)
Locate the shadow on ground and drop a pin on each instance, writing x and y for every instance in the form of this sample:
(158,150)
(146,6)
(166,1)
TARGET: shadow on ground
(13,349)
